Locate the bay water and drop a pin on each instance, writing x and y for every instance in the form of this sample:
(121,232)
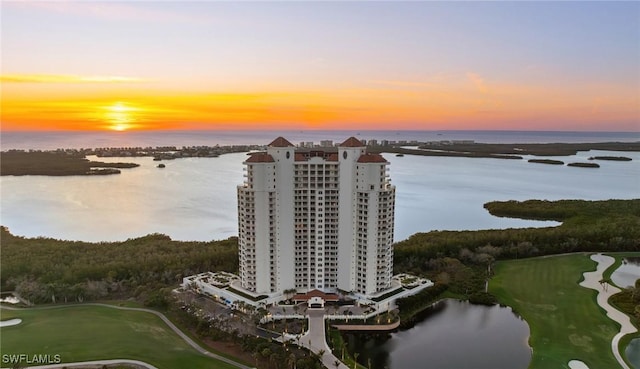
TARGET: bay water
(195,199)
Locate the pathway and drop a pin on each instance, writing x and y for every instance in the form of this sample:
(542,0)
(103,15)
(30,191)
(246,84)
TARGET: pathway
(315,340)
(186,338)
(592,281)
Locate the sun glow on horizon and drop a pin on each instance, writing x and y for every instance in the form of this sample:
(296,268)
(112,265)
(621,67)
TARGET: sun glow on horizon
(120,116)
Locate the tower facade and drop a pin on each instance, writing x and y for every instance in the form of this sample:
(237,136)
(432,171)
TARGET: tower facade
(316,218)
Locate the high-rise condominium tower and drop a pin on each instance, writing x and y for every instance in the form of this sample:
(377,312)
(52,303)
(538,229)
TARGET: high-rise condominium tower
(316,218)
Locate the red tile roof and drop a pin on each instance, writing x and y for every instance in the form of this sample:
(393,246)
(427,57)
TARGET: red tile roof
(280,142)
(316,293)
(300,157)
(371,158)
(332,157)
(351,142)
(260,157)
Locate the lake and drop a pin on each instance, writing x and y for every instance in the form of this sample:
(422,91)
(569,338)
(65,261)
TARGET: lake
(627,273)
(195,198)
(452,335)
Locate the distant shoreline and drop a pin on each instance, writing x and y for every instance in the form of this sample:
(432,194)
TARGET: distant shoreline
(506,151)
(51,140)
(64,162)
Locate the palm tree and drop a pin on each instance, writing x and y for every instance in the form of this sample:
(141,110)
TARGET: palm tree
(291,360)
(635,290)
(266,352)
(355,359)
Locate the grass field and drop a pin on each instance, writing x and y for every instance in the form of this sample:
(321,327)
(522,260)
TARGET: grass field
(565,321)
(80,333)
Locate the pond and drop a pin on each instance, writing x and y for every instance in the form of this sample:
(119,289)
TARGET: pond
(633,353)
(627,273)
(451,335)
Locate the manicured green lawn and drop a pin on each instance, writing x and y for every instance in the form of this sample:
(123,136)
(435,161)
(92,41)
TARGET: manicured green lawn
(565,321)
(81,333)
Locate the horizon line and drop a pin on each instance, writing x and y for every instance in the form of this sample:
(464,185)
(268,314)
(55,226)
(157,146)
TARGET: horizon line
(2,131)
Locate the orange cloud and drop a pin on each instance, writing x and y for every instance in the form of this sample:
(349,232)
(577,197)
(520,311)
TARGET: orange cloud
(63,78)
(451,103)
(477,81)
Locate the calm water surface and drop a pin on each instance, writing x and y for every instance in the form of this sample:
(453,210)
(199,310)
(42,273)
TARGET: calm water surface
(453,335)
(627,273)
(633,353)
(79,139)
(195,198)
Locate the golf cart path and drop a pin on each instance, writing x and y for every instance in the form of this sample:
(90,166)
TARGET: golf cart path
(592,281)
(166,320)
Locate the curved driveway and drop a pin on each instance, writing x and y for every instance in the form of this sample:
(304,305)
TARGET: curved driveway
(186,338)
(315,340)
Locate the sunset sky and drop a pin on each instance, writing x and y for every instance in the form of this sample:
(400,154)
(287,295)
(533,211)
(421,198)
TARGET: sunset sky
(320,65)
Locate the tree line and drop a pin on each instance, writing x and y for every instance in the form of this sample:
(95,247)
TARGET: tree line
(44,270)
(266,353)
(612,225)
(54,163)
(461,261)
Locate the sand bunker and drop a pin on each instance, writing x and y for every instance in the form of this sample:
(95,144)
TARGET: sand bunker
(10,322)
(577,364)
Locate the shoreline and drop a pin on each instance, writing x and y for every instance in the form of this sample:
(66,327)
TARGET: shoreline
(72,162)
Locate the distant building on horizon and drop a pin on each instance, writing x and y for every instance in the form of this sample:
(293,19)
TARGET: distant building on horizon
(316,218)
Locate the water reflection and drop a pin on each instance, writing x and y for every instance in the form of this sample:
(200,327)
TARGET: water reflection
(633,353)
(195,198)
(452,334)
(627,273)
